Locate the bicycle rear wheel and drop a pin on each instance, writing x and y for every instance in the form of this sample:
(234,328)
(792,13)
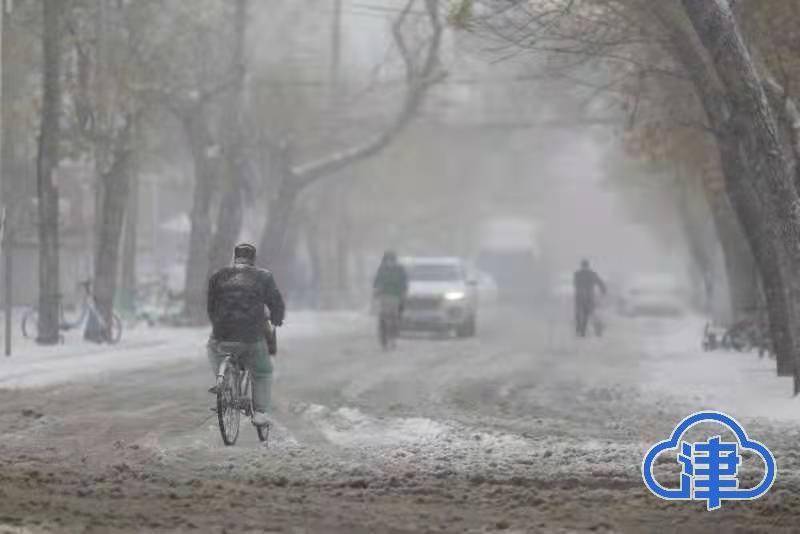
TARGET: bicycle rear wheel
(248,392)
(228,411)
(245,392)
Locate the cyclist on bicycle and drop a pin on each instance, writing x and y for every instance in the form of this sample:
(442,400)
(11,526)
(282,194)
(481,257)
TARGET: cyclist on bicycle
(236,299)
(585,280)
(390,286)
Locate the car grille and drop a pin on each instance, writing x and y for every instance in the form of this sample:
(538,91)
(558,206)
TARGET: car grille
(423,303)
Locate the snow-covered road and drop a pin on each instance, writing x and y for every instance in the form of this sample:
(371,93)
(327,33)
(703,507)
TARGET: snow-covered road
(522,429)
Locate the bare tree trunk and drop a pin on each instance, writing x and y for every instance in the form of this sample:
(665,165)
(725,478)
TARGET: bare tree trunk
(271,250)
(697,241)
(343,262)
(229,226)
(329,274)
(740,265)
(765,248)
(294,179)
(758,172)
(787,113)
(767,256)
(744,175)
(315,264)
(230,215)
(130,244)
(328,205)
(196,127)
(116,188)
(286,268)
(8,186)
(101,103)
(47,161)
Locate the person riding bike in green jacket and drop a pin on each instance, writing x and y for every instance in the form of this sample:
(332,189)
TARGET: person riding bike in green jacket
(391,279)
(390,289)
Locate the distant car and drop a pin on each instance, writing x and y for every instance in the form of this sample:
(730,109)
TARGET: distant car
(442,296)
(653,295)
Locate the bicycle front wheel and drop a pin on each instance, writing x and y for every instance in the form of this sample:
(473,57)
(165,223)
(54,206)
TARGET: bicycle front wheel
(228,411)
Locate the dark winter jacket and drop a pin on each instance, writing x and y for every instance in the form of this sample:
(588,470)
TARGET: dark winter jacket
(391,280)
(585,281)
(236,299)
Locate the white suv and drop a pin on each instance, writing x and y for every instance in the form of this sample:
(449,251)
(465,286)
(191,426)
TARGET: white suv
(441,296)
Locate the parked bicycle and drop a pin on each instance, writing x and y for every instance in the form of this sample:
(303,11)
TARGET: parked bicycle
(745,335)
(87,312)
(234,389)
(156,303)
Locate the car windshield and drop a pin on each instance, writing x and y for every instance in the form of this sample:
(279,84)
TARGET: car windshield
(429,272)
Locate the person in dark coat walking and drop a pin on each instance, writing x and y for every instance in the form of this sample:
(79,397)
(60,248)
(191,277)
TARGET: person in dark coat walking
(585,281)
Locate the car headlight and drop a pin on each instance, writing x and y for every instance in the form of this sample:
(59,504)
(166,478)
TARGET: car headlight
(454,295)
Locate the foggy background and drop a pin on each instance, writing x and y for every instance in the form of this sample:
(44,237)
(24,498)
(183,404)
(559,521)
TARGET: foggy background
(496,136)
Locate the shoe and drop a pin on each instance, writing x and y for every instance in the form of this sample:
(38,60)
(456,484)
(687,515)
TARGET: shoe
(260,419)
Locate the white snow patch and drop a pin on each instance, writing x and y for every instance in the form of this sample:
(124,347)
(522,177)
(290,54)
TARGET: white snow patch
(740,384)
(350,427)
(32,365)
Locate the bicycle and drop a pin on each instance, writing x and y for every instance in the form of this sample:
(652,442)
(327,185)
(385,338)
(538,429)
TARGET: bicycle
(234,390)
(745,335)
(156,303)
(88,311)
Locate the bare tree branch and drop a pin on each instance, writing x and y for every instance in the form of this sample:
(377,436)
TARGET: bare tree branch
(418,83)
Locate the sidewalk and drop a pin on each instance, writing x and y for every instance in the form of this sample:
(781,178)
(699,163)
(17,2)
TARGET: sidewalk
(32,365)
(738,383)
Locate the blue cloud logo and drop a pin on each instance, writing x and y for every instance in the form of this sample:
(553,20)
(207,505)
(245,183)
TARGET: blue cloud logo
(709,469)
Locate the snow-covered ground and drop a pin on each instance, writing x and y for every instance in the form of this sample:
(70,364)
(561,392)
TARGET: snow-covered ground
(32,365)
(524,428)
(733,382)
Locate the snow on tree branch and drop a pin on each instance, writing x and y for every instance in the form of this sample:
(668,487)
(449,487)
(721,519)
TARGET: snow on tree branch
(419,78)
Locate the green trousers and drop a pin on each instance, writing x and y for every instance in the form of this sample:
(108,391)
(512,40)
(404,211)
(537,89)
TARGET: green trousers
(254,356)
